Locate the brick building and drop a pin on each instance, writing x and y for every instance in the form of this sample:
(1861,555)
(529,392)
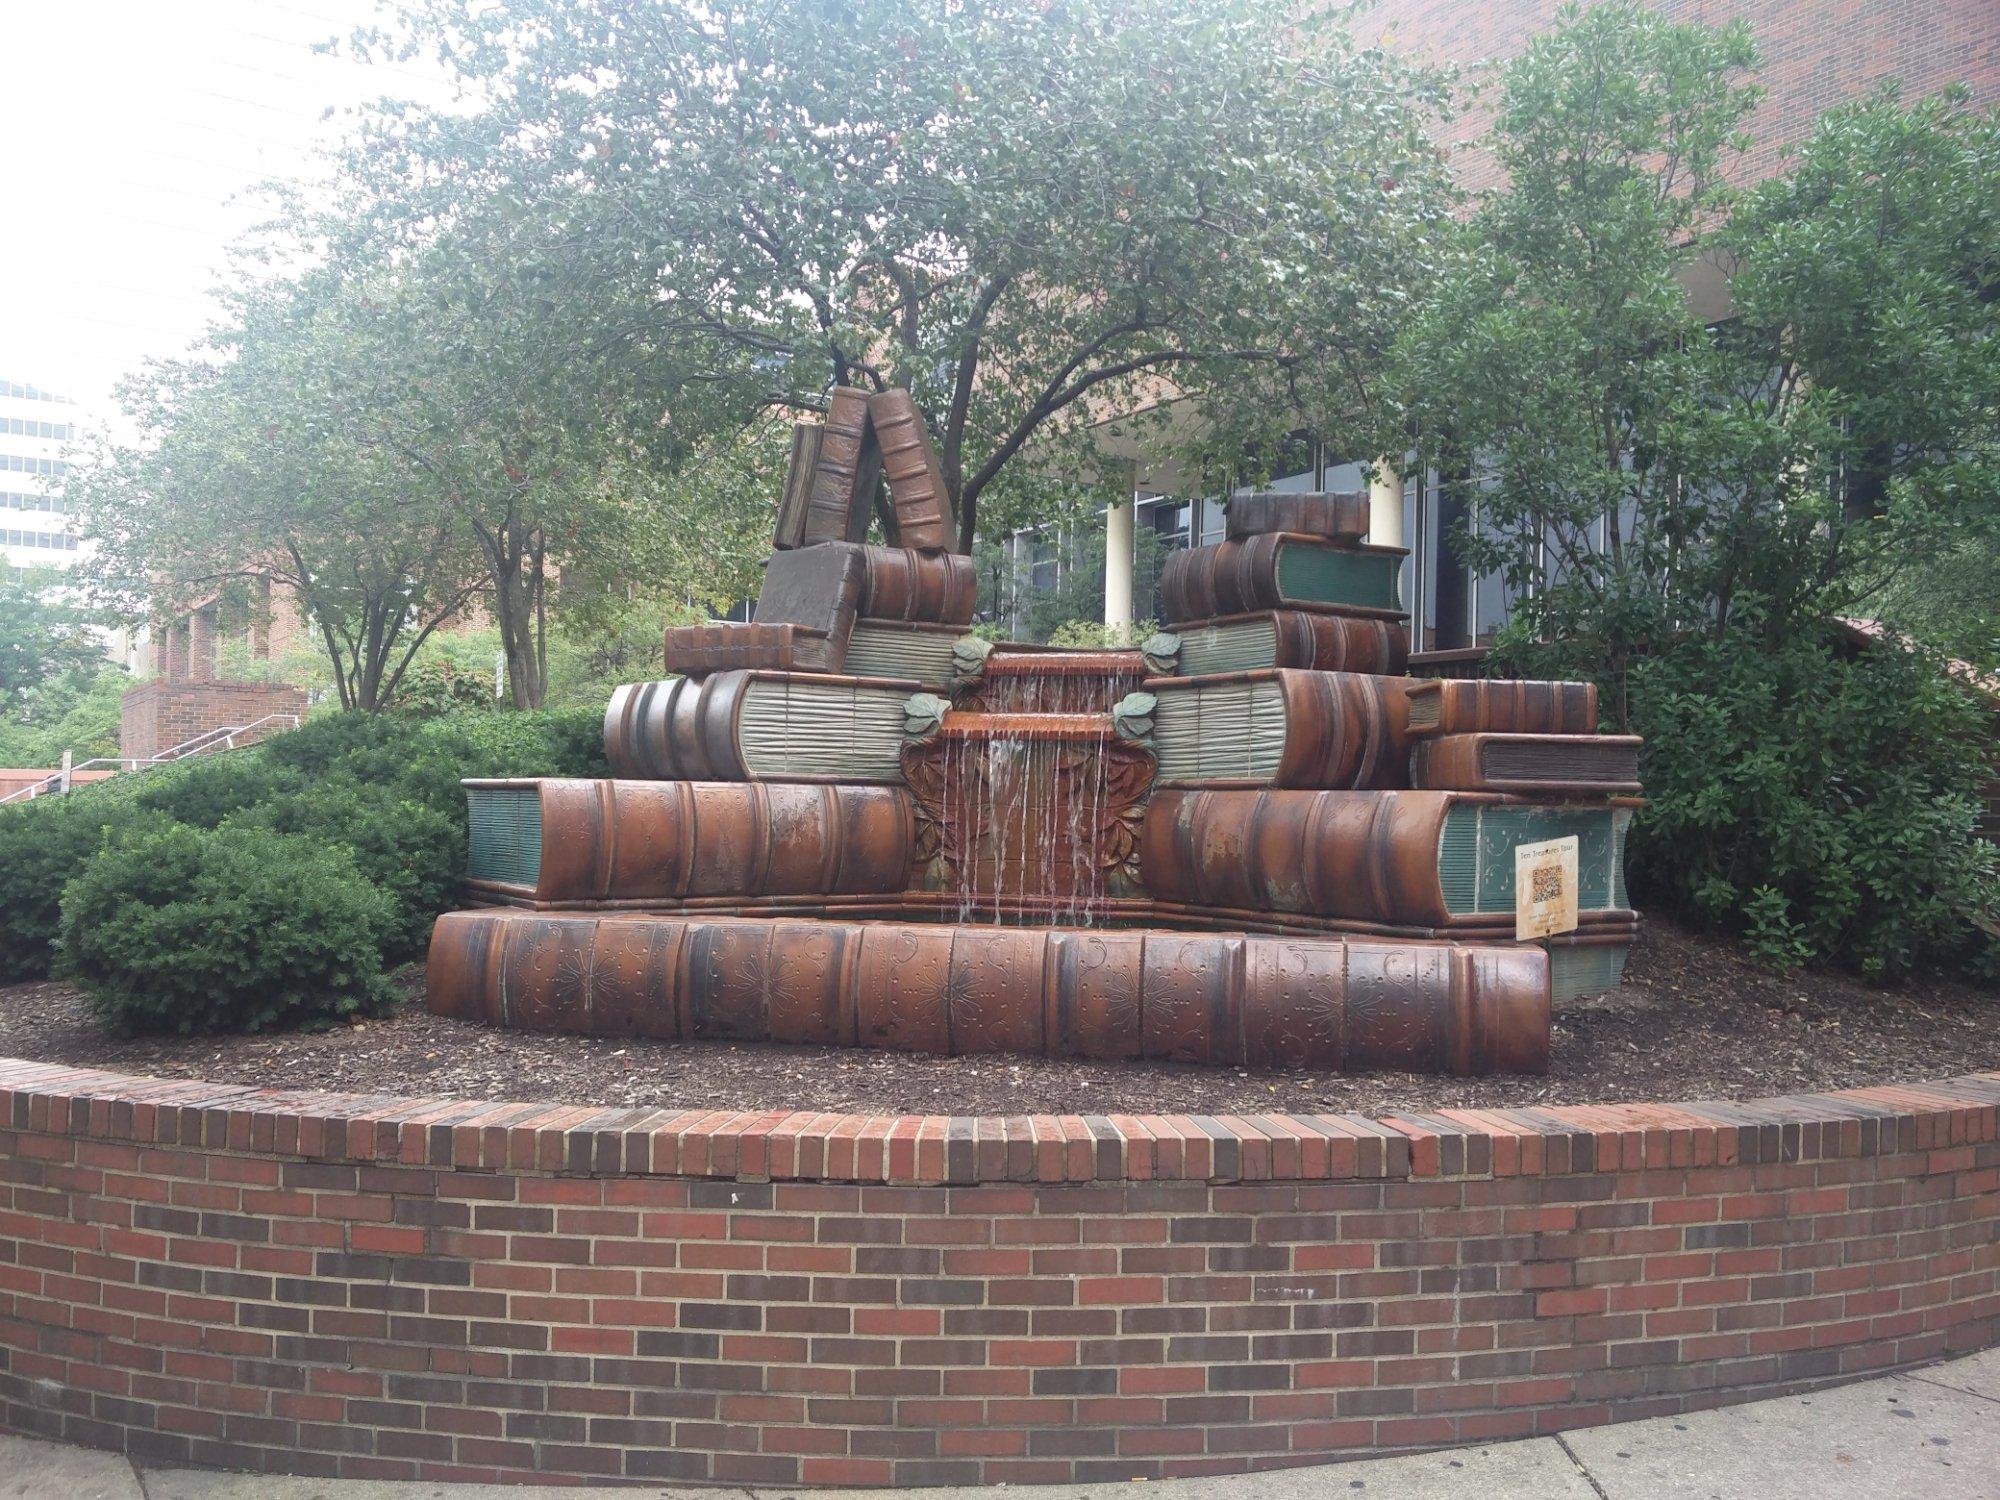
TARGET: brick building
(188,696)
(1815,57)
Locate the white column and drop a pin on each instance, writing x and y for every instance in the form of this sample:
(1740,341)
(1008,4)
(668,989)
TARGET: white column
(1118,565)
(1385,506)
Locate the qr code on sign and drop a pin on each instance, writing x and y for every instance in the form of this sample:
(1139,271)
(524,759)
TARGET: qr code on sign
(1546,883)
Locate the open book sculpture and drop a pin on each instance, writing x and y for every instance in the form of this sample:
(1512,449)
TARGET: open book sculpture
(1250,841)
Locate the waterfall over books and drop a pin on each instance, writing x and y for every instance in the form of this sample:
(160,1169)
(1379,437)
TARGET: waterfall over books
(1250,841)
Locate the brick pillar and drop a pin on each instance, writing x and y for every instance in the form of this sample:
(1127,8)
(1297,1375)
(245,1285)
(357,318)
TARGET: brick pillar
(201,645)
(260,621)
(173,651)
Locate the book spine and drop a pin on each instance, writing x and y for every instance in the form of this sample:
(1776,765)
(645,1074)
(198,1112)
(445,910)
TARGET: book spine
(844,478)
(682,728)
(1340,643)
(901,583)
(916,483)
(619,840)
(1333,516)
(1359,856)
(693,650)
(1344,730)
(1502,706)
(1218,998)
(796,501)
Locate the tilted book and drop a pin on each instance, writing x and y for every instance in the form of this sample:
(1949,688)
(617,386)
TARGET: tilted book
(758,726)
(849,467)
(1319,642)
(796,501)
(1277,570)
(1281,728)
(917,493)
(558,839)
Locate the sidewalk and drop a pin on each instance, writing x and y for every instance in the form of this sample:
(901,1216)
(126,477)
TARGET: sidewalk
(1931,1434)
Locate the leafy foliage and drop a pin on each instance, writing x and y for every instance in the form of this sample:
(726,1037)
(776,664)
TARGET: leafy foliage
(43,843)
(1025,214)
(241,929)
(42,640)
(1826,804)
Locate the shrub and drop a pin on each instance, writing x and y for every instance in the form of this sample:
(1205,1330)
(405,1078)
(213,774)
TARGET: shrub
(204,791)
(412,852)
(1823,803)
(42,845)
(238,929)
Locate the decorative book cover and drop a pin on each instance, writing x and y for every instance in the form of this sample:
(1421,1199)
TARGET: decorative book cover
(796,501)
(1276,570)
(818,589)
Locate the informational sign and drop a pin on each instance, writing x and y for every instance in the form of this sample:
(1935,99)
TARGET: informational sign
(1545,888)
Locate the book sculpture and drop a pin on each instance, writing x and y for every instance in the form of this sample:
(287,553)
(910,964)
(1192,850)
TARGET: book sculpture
(1249,841)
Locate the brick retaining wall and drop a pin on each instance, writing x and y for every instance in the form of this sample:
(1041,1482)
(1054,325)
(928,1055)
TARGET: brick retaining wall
(196,1273)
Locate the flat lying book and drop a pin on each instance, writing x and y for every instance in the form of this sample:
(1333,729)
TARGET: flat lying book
(913,649)
(902,583)
(1425,859)
(1530,764)
(1502,706)
(1277,570)
(758,726)
(1281,728)
(1335,516)
(693,650)
(560,839)
(1318,642)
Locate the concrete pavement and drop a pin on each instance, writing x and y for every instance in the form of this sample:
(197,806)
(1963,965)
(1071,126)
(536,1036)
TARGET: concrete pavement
(1930,1434)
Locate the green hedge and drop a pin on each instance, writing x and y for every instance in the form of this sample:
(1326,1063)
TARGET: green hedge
(194,930)
(383,788)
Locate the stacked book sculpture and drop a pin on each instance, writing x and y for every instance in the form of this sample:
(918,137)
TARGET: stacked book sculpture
(1252,840)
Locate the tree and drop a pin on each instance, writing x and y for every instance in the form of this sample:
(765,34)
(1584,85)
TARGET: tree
(244,469)
(45,638)
(1028,215)
(1557,377)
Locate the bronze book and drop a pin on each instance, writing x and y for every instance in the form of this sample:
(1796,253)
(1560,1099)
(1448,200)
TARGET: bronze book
(1277,570)
(816,589)
(1315,641)
(1220,998)
(1530,764)
(1334,516)
(1426,859)
(916,483)
(758,726)
(849,467)
(1281,728)
(794,503)
(901,583)
(557,839)
(692,650)
(1501,706)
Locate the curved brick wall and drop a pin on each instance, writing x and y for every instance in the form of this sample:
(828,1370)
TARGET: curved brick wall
(197,1273)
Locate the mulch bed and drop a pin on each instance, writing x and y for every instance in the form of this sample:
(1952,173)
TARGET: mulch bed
(1693,1020)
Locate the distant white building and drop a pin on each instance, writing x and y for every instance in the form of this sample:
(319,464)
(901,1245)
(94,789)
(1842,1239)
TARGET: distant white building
(37,528)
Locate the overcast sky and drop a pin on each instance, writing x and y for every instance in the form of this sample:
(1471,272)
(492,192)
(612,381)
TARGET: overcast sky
(129,126)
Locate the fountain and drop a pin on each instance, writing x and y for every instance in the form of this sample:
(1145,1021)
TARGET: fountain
(1250,841)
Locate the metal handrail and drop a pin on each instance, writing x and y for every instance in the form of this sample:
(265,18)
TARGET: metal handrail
(208,740)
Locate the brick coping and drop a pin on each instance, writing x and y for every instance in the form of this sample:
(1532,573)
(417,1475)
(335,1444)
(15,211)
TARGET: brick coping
(952,1150)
